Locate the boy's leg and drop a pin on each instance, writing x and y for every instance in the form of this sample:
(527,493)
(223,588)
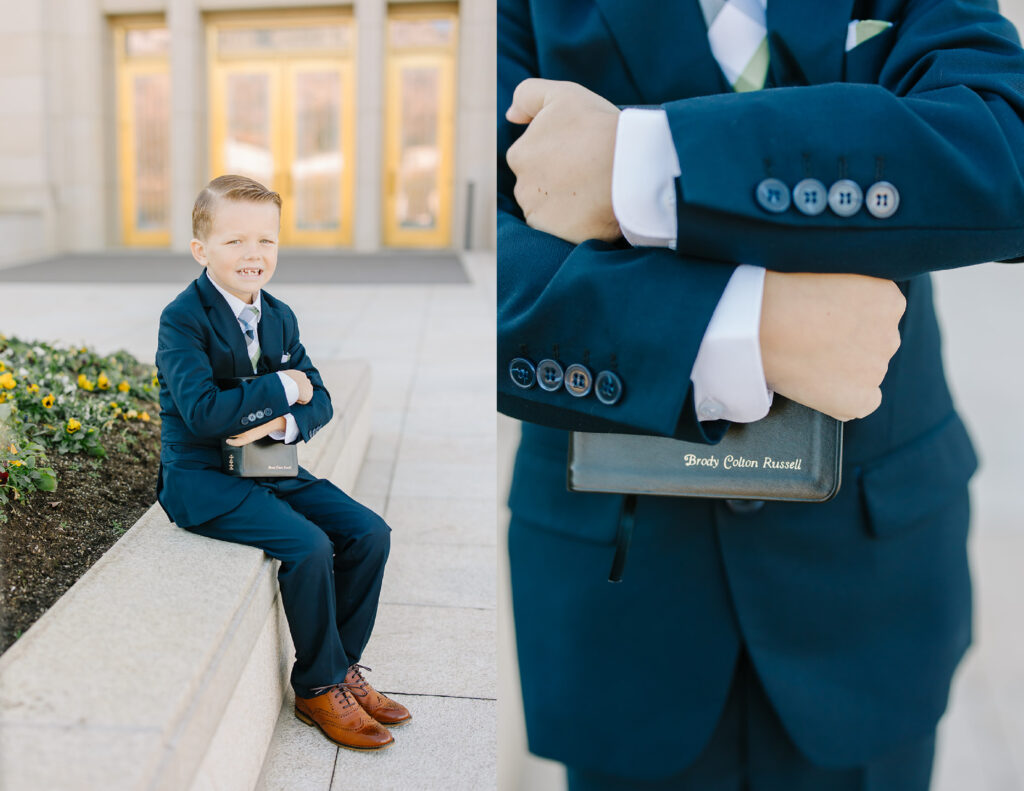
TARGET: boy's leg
(361,539)
(306,579)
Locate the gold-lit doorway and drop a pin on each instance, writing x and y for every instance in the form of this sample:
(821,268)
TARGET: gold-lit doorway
(419,124)
(282,111)
(142,72)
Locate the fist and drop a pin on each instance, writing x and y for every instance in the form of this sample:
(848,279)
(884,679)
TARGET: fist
(826,339)
(563,161)
(305,386)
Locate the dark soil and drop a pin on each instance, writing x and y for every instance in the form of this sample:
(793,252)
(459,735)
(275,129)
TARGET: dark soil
(52,538)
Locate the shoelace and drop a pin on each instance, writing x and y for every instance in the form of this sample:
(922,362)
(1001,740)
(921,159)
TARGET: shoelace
(340,688)
(354,669)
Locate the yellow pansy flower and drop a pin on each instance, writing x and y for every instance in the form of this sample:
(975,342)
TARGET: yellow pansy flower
(144,417)
(13,448)
(32,388)
(73,426)
(113,404)
(48,400)
(3,367)
(16,462)
(124,387)
(84,383)
(103,382)
(156,381)
(8,381)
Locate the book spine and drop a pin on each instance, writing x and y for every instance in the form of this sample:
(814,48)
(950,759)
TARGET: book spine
(232,461)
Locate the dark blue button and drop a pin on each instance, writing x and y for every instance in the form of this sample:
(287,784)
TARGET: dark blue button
(608,388)
(845,197)
(523,373)
(773,195)
(549,375)
(578,380)
(259,414)
(744,507)
(882,200)
(245,421)
(810,197)
(268,411)
(252,416)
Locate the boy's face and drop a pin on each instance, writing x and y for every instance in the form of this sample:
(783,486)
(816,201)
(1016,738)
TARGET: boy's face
(240,252)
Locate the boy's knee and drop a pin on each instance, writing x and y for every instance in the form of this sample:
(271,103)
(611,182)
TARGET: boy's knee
(315,544)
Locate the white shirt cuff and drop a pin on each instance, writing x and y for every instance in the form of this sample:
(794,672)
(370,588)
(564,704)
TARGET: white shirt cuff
(728,375)
(644,170)
(291,390)
(291,430)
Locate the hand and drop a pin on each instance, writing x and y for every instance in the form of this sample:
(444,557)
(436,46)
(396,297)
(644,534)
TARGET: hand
(305,386)
(563,161)
(826,339)
(253,434)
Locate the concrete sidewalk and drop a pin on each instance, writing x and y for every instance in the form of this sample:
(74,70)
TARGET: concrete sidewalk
(430,470)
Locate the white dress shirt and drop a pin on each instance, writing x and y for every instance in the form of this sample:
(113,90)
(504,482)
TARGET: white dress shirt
(291,389)
(728,375)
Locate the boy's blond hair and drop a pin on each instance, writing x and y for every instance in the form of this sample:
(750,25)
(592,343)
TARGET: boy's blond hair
(229,187)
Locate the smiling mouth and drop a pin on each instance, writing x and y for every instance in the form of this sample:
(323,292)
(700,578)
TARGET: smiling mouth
(252,271)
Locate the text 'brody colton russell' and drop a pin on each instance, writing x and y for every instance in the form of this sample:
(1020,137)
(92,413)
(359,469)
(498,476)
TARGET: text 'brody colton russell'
(732,462)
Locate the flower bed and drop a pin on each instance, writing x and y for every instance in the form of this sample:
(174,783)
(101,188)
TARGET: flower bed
(63,399)
(78,466)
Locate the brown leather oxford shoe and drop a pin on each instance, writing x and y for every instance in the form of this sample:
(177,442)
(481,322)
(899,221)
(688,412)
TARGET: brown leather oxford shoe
(342,720)
(382,708)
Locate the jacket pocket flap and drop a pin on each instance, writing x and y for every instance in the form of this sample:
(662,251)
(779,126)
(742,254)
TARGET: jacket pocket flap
(916,480)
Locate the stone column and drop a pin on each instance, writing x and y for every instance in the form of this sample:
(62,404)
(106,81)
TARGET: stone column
(475,134)
(371,20)
(188,102)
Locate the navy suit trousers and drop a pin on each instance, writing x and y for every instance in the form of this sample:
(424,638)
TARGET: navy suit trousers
(332,552)
(750,751)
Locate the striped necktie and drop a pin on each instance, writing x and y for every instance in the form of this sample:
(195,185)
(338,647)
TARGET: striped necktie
(738,34)
(248,319)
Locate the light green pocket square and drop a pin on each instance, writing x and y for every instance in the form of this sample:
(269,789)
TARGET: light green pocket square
(860,30)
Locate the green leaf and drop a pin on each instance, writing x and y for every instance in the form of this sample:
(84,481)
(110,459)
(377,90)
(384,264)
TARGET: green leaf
(47,481)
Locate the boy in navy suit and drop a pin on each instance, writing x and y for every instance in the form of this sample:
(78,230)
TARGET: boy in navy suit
(332,549)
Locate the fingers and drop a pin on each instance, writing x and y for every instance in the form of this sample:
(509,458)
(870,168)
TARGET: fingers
(528,100)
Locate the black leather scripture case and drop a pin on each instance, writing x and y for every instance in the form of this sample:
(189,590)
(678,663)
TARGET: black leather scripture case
(795,453)
(262,458)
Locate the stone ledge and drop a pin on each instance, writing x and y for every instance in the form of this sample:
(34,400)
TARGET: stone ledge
(126,681)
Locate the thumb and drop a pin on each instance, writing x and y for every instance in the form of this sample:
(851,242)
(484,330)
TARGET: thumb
(529,99)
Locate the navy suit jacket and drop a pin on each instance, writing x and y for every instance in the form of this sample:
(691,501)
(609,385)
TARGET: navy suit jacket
(201,343)
(856,611)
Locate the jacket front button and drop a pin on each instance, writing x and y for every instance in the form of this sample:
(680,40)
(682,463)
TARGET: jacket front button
(259,413)
(245,421)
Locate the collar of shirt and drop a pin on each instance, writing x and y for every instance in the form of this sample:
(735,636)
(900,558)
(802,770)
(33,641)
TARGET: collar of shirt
(235,303)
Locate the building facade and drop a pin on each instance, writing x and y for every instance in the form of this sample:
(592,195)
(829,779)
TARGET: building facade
(374,120)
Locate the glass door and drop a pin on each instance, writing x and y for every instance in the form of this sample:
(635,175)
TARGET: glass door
(142,72)
(420,122)
(281,104)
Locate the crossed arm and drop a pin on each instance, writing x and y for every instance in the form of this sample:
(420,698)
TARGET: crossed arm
(952,113)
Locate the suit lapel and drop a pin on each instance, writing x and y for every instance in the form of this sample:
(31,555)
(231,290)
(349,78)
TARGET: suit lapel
(224,324)
(807,40)
(665,47)
(271,334)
